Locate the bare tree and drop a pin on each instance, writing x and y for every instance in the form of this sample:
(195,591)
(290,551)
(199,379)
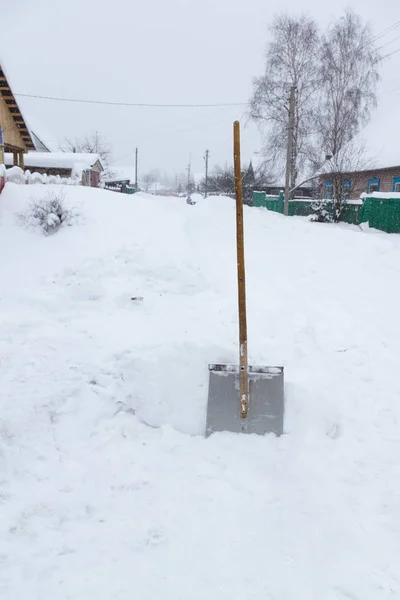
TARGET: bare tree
(291,60)
(150,178)
(349,75)
(92,144)
(222,181)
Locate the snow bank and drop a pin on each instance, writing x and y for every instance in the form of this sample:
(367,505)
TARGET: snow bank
(17,175)
(108,490)
(382,195)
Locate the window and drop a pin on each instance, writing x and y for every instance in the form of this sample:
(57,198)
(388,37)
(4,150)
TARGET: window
(346,189)
(396,184)
(373,185)
(328,190)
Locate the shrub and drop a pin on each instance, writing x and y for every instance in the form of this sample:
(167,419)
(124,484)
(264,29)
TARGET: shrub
(49,213)
(321,213)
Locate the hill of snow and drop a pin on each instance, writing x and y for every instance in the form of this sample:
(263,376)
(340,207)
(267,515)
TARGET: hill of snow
(108,489)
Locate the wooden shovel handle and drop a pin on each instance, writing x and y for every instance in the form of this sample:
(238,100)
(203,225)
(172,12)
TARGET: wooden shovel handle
(243,372)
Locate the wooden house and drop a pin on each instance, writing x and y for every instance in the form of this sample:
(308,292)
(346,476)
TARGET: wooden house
(15,135)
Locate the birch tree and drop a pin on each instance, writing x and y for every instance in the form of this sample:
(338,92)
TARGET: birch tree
(348,73)
(291,60)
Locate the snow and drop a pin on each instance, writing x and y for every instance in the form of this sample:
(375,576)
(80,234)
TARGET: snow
(382,195)
(53,220)
(108,489)
(17,175)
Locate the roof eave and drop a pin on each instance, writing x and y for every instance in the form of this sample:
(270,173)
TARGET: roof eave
(19,120)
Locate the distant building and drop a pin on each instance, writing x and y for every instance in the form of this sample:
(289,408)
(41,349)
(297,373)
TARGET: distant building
(303,191)
(386,179)
(121,179)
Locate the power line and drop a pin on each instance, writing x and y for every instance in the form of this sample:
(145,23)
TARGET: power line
(206,157)
(388,43)
(386,31)
(391,53)
(137,104)
(155,136)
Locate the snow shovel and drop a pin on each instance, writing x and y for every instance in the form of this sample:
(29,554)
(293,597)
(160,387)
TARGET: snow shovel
(248,399)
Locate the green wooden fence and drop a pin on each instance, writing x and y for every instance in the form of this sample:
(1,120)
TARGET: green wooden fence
(382,213)
(379,213)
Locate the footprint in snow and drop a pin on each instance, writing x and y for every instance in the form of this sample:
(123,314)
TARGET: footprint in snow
(334,432)
(155,537)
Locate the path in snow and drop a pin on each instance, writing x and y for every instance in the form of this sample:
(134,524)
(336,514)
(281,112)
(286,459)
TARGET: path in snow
(95,504)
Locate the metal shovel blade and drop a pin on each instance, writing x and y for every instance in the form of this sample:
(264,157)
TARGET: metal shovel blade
(266,400)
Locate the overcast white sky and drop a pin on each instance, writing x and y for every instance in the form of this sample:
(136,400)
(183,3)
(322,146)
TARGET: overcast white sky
(166,51)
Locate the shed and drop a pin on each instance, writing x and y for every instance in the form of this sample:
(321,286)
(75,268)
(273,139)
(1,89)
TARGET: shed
(83,166)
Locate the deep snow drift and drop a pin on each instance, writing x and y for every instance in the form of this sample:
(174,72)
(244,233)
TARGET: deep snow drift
(108,491)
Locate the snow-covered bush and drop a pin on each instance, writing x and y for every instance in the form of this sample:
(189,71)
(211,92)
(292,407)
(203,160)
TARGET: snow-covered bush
(15,175)
(321,213)
(37,178)
(49,213)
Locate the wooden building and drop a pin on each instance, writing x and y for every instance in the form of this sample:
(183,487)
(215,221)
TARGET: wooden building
(86,167)
(16,137)
(353,184)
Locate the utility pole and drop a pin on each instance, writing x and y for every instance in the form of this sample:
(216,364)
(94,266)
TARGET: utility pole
(136,171)
(289,155)
(206,156)
(188,170)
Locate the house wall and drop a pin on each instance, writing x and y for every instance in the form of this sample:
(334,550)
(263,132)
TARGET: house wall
(97,167)
(11,133)
(91,178)
(95,179)
(360,181)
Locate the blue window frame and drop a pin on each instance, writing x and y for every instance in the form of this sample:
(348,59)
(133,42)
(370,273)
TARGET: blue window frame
(328,190)
(396,184)
(373,185)
(346,189)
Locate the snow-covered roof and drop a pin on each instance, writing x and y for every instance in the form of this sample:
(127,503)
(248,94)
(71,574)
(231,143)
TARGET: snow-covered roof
(43,139)
(382,167)
(121,173)
(382,195)
(373,167)
(39,145)
(57,160)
